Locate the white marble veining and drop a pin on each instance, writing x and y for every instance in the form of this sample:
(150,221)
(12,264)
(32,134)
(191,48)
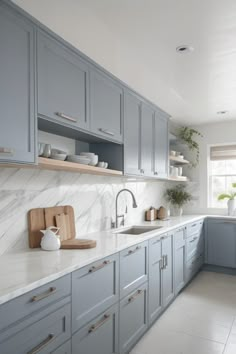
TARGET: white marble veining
(93,199)
(23,271)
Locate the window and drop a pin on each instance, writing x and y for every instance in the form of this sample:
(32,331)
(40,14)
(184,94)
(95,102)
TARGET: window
(222,173)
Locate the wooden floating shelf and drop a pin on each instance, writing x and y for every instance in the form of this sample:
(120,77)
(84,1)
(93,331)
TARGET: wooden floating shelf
(178,179)
(178,160)
(56,165)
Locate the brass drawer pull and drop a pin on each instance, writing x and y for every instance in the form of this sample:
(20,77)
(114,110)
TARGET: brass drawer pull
(132,298)
(193,225)
(135,250)
(65,116)
(108,132)
(100,266)
(6,151)
(42,345)
(155,242)
(51,291)
(194,239)
(94,327)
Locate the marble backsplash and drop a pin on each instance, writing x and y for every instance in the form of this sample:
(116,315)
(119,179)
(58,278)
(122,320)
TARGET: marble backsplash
(93,199)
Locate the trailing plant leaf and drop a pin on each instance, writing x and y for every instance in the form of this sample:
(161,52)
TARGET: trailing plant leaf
(177,196)
(186,134)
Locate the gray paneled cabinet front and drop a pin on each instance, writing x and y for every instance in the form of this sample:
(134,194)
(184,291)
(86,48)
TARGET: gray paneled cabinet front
(161,275)
(221,242)
(94,289)
(106,104)
(161,145)
(17,88)
(99,336)
(62,83)
(179,258)
(146,134)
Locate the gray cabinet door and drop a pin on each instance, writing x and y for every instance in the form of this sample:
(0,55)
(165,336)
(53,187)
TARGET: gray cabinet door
(132,121)
(64,348)
(133,318)
(94,289)
(100,336)
(221,243)
(161,145)
(179,259)
(62,84)
(146,161)
(167,272)
(106,107)
(17,88)
(154,289)
(133,267)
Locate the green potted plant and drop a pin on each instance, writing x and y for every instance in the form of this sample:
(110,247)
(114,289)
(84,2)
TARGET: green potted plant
(177,197)
(187,134)
(231,200)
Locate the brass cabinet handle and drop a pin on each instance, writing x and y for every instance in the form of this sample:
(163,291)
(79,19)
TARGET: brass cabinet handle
(135,250)
(193,225)
(132,298)
(42,345)
(161,264)
(94,327)
(7,151)
(51,291)
(100,266)
(108,132)
(65,116)
(155,242)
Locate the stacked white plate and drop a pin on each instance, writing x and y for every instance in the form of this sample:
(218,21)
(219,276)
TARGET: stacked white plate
(93,158)
(78,159)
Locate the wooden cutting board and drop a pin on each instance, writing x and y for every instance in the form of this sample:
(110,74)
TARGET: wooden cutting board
(59,216)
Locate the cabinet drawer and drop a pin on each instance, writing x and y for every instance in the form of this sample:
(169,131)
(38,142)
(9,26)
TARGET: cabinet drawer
(94,289)
(100,336)
(179,238)
(133,267)
(64,348)
(194,228)
(154,250)
(41,333)
(133,318)
(194,245)
(35,300)
(193,265)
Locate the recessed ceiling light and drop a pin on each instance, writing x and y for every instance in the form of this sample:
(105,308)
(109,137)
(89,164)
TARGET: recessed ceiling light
(184,49)
(222,112)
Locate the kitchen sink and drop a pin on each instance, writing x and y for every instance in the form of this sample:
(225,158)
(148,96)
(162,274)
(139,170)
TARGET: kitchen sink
(138,230)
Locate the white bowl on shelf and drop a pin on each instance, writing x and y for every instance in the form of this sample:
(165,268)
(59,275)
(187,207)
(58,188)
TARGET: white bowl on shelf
(78,159)
(60,157)
(88,154)
(93,160)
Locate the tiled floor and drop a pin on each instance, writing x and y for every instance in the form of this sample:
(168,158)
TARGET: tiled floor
(202,320)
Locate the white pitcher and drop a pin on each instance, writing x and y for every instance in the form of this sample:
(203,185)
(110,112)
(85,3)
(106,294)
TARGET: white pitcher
(50,240)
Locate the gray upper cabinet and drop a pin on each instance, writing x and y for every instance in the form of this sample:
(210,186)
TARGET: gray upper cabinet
(132,121)
(221,243)
(106,103)
(146,158)
(62,84)
(17,88)
(161,145)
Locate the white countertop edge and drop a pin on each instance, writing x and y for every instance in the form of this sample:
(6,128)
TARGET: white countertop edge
(12,291)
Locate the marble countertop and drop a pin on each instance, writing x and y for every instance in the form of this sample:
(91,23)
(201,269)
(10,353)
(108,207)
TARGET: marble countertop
(23,271)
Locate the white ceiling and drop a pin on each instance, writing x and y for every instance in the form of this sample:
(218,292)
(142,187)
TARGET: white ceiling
(138,44)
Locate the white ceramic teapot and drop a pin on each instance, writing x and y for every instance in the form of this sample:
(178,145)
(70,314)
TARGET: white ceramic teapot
(50,240)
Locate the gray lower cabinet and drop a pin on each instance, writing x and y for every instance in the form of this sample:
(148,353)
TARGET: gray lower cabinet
(106,102)
(17,88)
(94,289)
(167,271)
(41,333)
(179,259)
(62,84)
(133,318)
(132,121)
(146,133)
(133,267)
(221,242)
(100,336)
(155,280)
(161,145)
(64,348)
